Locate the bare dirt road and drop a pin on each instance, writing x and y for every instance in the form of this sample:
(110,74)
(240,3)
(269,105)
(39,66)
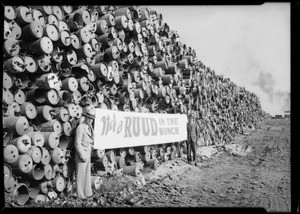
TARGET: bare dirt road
(257,175)
(253,171)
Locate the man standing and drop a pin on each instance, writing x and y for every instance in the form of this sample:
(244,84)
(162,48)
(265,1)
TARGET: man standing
(193,134)
(84,140)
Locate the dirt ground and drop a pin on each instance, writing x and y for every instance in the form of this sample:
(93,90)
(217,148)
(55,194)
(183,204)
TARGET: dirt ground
(253,171)
(257,175)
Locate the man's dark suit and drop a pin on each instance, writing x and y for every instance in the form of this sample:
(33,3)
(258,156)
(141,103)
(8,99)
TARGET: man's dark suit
(193,134)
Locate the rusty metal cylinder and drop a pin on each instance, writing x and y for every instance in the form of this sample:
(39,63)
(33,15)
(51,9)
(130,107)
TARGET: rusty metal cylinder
(121,152)
(47,81)
(153,153)
(65,97)
(96,182)
(70,84)
(123,11)
(52,19)
(172,69)
(112,52)
(11,47)
(33,190)
(111,155)
(7,135)
(46,156)
(121,22)
(36,173)
(44,63)
(18,125)
(44,186)
(46,10)
(44,113)
(24,15)
(61,114)
(42,46)
(65,141)
(97,153)
(21,81)
(59,183)
(15,29)
(37,138)
(10,13)
(76,41)
(40,199)
(7,172)
(85,14)
(102,27)
(32,31)
(29,110)
(75,21)
(58,11)
(130,25)
(8,97)
(64,39)
(48,171)
(85,51)
(43,96)
(161,64)
(83,34)
(138,93)
(7,80)
(10,154)
(63,25)
(67,128)
(106,40)
(38,15)
(14,65)
(120,160)
(35,152)
(31,64)
(109,18)
(23,165)
(72,110)
(23,143)
(51,31)
(134,170)
(21,194)
(13,109)
(83,84)
(100,70)
(10,185)
(57,155)
(51,139)
(51,126)
(173,155)
(101,163)
(146,157)
(137,156)
(152,163)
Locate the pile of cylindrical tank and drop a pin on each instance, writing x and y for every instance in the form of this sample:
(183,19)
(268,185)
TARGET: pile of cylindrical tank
(58,59)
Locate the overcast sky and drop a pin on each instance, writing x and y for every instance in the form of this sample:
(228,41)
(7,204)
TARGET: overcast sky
(248,44)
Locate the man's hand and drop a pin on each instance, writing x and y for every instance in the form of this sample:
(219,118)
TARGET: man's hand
(83,159)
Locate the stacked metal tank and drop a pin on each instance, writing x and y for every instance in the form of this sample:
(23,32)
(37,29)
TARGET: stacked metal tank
(58,59)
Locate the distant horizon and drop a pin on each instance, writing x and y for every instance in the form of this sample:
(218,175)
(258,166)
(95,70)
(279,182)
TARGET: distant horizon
(248,44)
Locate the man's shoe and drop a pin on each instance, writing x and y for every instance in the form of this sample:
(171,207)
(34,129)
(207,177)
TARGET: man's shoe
(196,163)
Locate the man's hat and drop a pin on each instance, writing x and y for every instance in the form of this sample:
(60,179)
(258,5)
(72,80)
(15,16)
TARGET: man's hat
(89,111)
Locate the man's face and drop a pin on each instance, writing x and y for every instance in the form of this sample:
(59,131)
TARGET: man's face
(89,120)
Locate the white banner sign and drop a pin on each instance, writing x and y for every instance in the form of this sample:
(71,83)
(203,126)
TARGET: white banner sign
(116,129)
